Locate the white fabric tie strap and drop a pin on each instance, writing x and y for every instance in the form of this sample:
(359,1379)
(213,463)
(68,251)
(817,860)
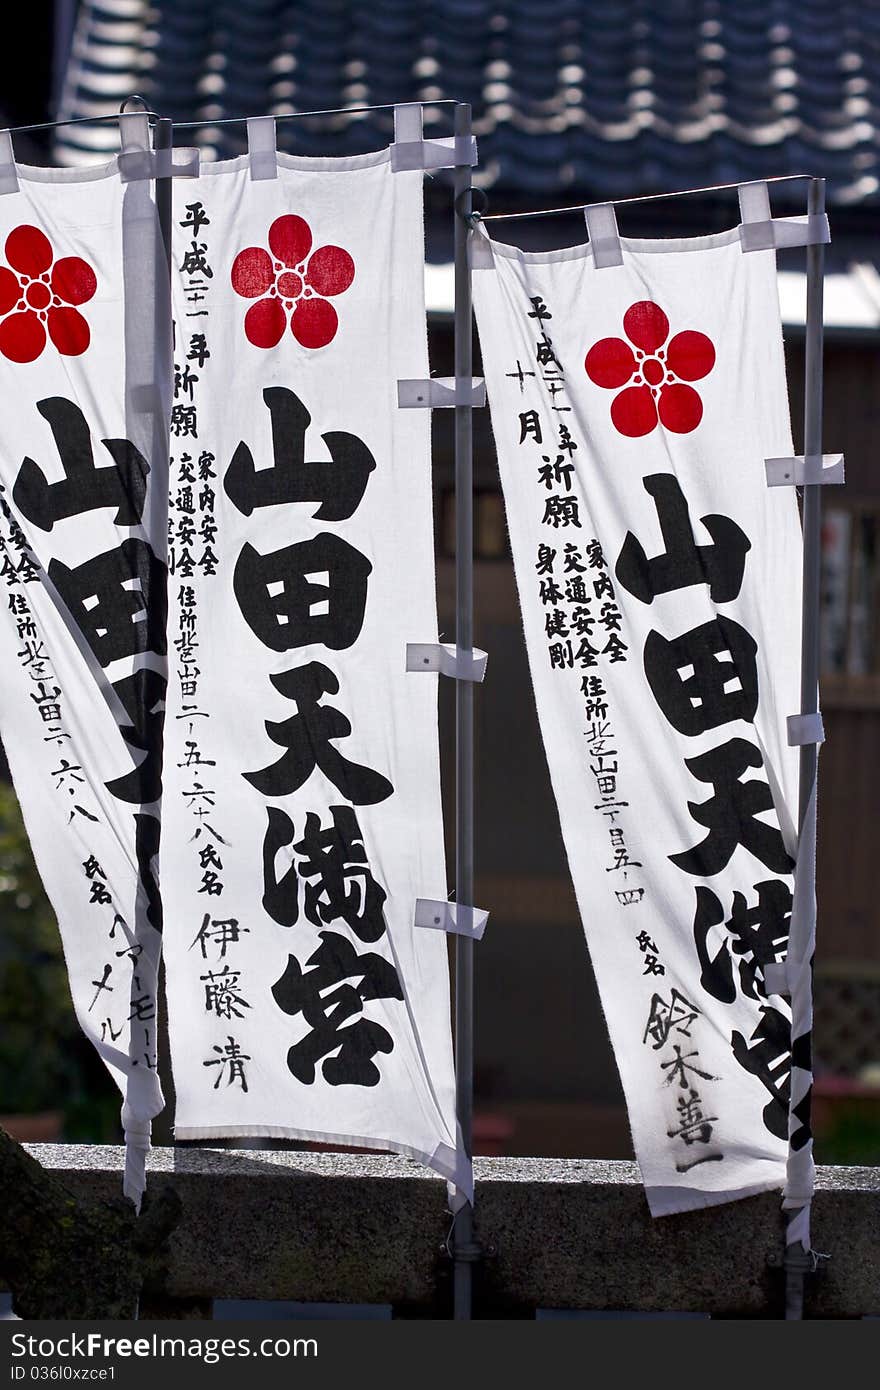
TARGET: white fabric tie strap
(8,174)
(805,728)
(137,1146)
(262,150)
(445,658)
(800,470)
(138,160)
(434,915)
(761,231)
(412,151)
(441,392)
(480,253)
(601,221)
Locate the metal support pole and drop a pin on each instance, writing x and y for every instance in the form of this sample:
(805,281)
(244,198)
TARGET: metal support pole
(163,140)
(797,1260)
(464,1250)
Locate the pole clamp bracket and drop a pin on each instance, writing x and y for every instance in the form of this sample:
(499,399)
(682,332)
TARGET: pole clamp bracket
(435,915)
(441,392)
(804,469)
(445,658)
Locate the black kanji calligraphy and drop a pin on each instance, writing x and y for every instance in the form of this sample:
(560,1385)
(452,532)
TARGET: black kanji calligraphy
(306,738)
(326,1009)
(720,565)
(753,938)
(118,600)
(731,814)
(314,591)
(706,677)
(122,484)
(230,1059)
(338,485)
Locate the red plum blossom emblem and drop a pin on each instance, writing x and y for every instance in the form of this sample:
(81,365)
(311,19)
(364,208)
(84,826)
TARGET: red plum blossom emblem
(291,283)
(653,372)
(39,295)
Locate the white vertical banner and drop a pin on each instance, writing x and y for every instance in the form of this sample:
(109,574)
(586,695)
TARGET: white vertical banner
(302,810)
(659,578)
(84,380)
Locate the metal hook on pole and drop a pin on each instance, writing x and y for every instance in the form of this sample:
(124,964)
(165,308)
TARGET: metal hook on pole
(464,205)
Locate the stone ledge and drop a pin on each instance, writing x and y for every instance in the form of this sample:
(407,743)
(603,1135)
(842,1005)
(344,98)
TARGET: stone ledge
(366,1228)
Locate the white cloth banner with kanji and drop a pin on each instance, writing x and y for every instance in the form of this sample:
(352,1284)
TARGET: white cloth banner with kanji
(302,802)
(659,578)
(84,362)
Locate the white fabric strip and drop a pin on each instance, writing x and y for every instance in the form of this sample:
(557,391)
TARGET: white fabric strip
(262,152)
(450,917)
(412,151)
(805,728)
(446,658)
(8,176)
(760,231)
(601,221)
(441,392)
(796,471)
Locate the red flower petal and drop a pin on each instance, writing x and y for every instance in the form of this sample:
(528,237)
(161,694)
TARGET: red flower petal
(264,323)
(681,409)
(252,272)
(646,325)
(9,290)
(610,362)
(22,337)
(314,323)
(634,412)
(290,239)
(331,270)
(28,250)
(69,331)
(73,280)
(690,355)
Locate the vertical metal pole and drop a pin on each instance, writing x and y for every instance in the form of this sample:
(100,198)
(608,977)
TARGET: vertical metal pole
(163,140)
(797,1259)
(463,1242)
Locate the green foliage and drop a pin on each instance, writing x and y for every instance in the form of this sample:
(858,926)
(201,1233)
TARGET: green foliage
(40,1066)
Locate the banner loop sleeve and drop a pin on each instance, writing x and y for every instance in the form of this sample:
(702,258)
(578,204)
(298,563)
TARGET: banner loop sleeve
(761,231)
(805,728)
(138,160)
(441,392)
(601,221)
(798,470)
(412,151)
(445,658)
(8,175)
(434,915)
(138,1133)
(262,149)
